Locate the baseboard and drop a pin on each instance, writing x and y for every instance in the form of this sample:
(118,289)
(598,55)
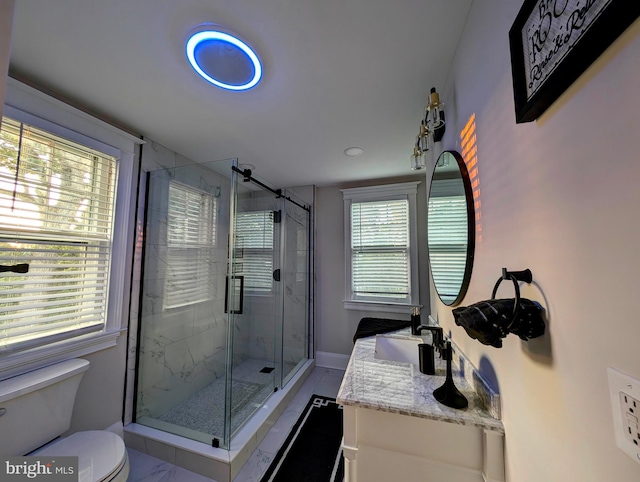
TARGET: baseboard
(337,361)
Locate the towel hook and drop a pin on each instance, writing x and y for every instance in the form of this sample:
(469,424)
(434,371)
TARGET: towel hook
(514,276)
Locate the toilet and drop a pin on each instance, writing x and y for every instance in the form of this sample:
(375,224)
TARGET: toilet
(36,408)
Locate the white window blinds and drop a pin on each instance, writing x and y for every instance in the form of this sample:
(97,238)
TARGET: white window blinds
(380,267)
(191,236)
(56,214)
(254,249)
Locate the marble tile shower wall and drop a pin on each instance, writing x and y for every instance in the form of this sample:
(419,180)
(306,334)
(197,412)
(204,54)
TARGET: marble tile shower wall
(183,349)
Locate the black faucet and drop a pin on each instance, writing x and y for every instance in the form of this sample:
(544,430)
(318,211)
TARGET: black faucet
(437,335)
(426,352)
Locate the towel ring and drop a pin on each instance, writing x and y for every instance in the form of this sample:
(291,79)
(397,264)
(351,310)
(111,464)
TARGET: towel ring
(514,276)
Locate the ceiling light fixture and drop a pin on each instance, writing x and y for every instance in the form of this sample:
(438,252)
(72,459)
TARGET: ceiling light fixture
(431,131)
(224,60)
(353,151)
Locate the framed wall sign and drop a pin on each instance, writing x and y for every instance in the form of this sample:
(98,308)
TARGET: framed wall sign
(554,41)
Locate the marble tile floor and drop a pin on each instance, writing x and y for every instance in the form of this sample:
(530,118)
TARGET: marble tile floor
(322,381)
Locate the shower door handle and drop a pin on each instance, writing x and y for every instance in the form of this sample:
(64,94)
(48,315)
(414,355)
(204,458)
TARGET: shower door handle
(276,274)
(235,285)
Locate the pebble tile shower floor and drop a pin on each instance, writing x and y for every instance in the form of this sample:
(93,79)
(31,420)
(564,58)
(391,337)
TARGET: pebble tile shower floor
(204,410)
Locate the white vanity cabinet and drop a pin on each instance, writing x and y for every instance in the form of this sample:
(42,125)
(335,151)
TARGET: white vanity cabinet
(382,447)
(394,431)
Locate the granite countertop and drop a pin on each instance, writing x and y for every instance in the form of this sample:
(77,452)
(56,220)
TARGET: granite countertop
(401,388)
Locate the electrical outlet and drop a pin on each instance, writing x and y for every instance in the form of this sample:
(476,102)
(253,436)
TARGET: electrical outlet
(630,408)
(625,404)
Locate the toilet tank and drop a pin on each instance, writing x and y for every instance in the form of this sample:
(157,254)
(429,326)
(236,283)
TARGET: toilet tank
(36,407)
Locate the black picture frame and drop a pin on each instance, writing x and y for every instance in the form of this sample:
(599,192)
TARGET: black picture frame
(445,294)
(556,54)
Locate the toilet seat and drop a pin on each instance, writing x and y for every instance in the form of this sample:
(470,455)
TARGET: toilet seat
(101,455)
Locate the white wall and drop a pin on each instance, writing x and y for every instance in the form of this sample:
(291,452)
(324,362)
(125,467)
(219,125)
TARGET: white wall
(98,403)
(335,326)
(6,20)
(559,196)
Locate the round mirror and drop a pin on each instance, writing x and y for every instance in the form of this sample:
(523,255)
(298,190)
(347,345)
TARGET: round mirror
(450,227)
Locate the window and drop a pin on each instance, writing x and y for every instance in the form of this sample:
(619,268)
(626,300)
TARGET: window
(254,250)
(380,247)
(57,201)
(191,235)
(86,241)
(380,244)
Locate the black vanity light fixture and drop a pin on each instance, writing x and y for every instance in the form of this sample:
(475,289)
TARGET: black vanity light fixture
(431,131)
(222,59)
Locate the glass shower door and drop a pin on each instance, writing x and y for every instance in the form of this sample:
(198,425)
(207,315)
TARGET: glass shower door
(254,272)
(295,316)
(224,300)
(182,342)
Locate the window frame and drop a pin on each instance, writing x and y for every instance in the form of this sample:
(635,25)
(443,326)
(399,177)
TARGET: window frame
(57,299)
(405,190)
(30,106)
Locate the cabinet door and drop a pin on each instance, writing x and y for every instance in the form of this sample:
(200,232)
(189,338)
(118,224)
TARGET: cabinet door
(379,465)
(383,446)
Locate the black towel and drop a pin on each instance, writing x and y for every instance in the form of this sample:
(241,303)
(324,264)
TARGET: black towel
(373,326)
(490,321)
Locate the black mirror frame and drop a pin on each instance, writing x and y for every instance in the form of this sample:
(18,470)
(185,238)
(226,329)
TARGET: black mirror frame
(471,227)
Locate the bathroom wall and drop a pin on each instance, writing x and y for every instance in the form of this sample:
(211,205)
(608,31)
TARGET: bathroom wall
(98,402)
(559,196)
(6,20)
(335,326)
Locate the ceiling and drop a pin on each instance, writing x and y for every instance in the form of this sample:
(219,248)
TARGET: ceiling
(337,73)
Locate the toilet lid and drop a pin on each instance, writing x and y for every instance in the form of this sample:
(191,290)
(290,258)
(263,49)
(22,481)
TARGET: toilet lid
(100,453)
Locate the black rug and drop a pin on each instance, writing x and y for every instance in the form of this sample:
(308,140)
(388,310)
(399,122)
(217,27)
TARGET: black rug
(312,450)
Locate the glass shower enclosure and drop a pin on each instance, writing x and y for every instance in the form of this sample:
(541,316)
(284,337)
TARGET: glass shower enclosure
(224,308)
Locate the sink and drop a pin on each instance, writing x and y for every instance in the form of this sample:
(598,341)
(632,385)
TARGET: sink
(403,350)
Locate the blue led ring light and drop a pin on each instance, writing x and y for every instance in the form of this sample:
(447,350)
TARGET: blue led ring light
(208,35)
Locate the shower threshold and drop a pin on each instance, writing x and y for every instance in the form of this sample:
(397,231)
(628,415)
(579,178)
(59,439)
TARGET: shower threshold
(219,464)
